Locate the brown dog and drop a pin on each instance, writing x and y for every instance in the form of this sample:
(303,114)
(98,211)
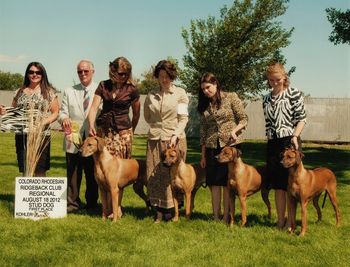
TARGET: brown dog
(185,179)
(243,180)
(111,173)
(304,185)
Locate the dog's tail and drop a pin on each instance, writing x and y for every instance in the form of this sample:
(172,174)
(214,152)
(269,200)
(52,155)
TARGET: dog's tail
(324,199)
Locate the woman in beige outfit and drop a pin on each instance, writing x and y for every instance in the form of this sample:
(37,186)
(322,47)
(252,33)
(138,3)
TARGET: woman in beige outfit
(165,110)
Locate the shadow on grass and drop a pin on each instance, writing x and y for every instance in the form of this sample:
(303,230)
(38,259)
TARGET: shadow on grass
(58,162)
(254,153)
(8,200)
(12,163)
(7,197)
(140,213)
(254,220)
(337,160)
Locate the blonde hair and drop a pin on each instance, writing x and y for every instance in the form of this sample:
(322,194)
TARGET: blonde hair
(277,68)
(123,64)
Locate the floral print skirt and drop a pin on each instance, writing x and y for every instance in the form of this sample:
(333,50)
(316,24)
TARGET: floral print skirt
(118,143)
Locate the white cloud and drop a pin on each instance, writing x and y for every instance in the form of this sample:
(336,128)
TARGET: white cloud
(11,59)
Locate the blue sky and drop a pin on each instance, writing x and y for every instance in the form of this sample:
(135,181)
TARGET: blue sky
(60,33)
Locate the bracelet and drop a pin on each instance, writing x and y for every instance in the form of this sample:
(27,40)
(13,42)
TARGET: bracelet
(294,135)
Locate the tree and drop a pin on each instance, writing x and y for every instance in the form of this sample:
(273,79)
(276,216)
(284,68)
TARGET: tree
(237,47)
(10,81)
(150,83)
(341,25)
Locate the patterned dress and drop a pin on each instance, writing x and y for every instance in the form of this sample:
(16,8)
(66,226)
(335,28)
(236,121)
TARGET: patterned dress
(40,107)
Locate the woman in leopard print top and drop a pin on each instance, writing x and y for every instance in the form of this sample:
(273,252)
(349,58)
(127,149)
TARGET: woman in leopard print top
(222,121)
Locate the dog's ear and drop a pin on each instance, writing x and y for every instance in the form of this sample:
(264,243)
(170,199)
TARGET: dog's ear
(281,154)
(301,154)
(291,145)
(173,146)
(100,143)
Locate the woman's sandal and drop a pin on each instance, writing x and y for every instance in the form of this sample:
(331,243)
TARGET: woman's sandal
(158,218)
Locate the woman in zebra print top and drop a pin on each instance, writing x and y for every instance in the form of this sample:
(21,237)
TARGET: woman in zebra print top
(285,119)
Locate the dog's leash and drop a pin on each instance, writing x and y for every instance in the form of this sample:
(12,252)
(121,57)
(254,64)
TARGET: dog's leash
(78,146)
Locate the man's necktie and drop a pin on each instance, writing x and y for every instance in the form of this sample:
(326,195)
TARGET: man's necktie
(86,100)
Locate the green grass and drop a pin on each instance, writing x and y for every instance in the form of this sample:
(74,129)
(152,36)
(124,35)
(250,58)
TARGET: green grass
(85,240)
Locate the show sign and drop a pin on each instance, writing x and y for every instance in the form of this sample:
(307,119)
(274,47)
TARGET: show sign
(41,197)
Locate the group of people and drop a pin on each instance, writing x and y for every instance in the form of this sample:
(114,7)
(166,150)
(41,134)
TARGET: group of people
(103,110)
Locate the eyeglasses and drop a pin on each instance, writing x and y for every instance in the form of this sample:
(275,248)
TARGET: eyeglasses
(83,71)
(122,74)
(31,72)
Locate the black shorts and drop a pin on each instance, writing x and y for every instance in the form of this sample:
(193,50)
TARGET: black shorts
(44,160)
(216,172)
(277,173)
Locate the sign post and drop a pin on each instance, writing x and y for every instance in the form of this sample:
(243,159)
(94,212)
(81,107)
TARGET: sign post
(41,197)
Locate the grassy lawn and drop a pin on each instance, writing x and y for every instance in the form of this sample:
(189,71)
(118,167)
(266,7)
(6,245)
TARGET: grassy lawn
(85,240)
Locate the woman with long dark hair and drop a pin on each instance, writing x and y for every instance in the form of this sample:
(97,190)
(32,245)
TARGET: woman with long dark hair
(222,120)
(38,95)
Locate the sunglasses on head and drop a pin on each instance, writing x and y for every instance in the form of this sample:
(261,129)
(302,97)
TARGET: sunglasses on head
(82,71)
(31,72)
(111,64)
